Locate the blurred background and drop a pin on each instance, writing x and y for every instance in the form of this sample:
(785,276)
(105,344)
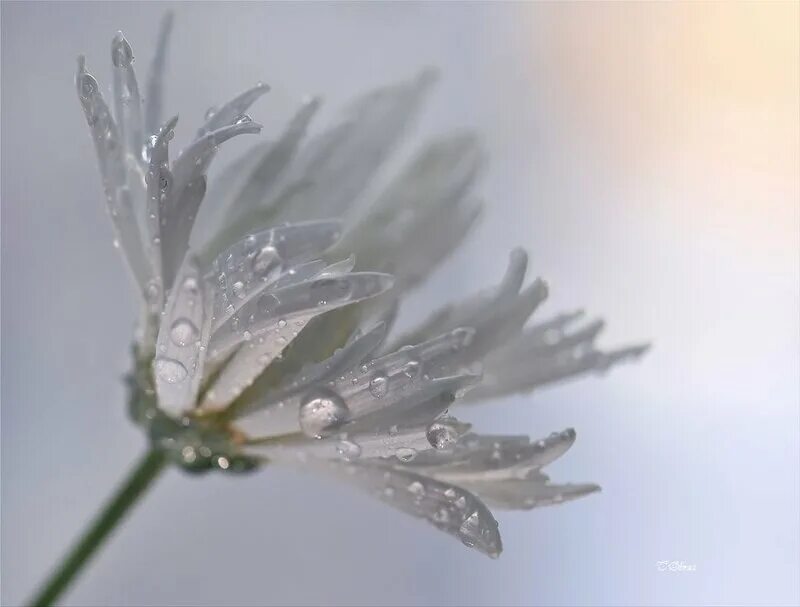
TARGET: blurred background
(648,157)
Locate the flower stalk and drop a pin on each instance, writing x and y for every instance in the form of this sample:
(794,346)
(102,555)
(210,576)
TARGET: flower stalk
(130,491)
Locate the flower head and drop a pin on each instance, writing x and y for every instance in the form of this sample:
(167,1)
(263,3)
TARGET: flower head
(266,338)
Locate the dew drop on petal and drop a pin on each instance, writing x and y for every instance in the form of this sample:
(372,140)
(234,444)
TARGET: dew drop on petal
(238,289)
(348,449)
(406,454)
(411,369)
(322,412)
(416,488)
(267,262)
(170,370)
(441,435)
(183,332)
(379,386)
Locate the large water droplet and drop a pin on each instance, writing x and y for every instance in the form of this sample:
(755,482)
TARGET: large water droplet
(470,529)
(441,435)
(170,370)
(238,290)
(379,386)
(267,262)
(322,412)
(183,332)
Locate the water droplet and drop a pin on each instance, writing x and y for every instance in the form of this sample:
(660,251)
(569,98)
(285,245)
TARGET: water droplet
(239,290)
(223,463)
(330,290)
(416,488)
(441,435)
(267,262)
(121,52)
(267,303)
(348,449)
(170,370)
(190,285)
(411,369)
(188,454)
(406,454)
(88,86)
(164,179)
(281,323)
(115,242)
(461,502)
(210,113)
(243,119)
(152,292)
(322,412)
(183,332)
(470,529)
(441,515)
(379,386)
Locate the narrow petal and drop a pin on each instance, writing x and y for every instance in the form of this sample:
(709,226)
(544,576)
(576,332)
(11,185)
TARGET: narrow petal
(127,99)
(110,155)
(477,458)
(524,494)
(154,89)
(234,110)
(270,165)
(342,161)
(182,340)
(261,259)
(157,180)
(294,304)
(447,507)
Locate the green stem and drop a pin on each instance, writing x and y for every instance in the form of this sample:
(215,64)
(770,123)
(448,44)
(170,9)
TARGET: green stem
(140,478)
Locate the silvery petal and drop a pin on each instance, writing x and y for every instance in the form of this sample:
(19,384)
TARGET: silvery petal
(267,258)
(233,110)
(110,155)
(154,88)
(341,162)
(293,304)
(447,507)
(524,494)
(477,458)
(178,366)
(127,99)
(270,164)
(535,371)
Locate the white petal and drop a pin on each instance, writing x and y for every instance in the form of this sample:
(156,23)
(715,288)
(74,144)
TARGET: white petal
(127,99)
(524,494)
(182,339)
(233,110)
(447,507)
(487,458)
(299,302)
(340,162)
(154,89)
(110,155)
(244,269)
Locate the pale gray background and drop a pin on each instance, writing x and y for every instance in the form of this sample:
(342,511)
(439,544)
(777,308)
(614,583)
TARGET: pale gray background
(653,184)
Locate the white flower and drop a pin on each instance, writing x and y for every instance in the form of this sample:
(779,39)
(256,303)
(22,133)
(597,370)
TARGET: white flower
(266,338)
